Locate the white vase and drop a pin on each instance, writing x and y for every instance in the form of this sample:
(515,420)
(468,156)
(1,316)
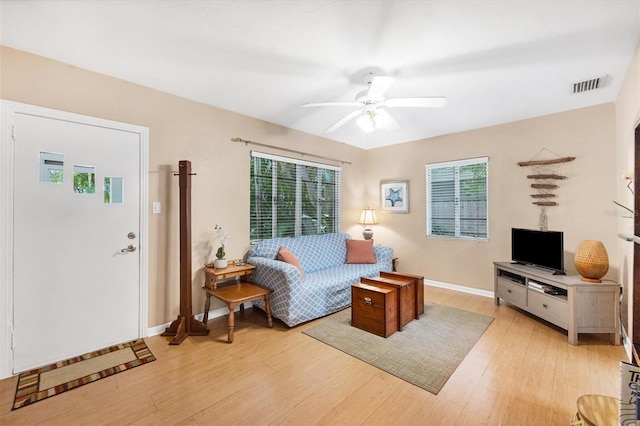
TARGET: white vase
(220,263)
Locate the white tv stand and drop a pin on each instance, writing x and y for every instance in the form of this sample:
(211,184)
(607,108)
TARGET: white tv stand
(586,307)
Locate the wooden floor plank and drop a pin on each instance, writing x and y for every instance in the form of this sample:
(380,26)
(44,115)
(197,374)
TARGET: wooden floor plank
(522,371)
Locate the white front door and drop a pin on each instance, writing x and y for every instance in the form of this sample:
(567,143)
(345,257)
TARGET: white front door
(76,236)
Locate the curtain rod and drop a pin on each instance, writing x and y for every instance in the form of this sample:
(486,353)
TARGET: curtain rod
(288,150)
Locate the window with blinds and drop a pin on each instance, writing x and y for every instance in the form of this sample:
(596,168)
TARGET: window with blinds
(457,199)
(292,197)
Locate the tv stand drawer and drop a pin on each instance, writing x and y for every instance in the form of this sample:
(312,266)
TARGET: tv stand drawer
(516,294)
(547,307)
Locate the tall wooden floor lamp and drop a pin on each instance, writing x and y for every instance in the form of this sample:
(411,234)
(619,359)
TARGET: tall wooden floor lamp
(185,325)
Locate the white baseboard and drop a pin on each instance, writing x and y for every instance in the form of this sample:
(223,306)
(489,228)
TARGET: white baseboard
(159,329)
(459,288)
(220,312)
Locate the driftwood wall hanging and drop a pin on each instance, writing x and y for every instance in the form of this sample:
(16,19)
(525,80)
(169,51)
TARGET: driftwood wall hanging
(546,176)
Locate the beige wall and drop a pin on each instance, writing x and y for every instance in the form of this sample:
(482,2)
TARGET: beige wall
(584,210)
(186,130)
(627,119)
(179,129)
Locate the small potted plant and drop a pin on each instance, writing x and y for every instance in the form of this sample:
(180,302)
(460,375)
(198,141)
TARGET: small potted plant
(223,237)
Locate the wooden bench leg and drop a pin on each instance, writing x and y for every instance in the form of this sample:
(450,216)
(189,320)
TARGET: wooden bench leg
(267,307)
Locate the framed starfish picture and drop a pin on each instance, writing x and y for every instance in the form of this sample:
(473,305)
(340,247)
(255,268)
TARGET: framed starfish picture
(394,196)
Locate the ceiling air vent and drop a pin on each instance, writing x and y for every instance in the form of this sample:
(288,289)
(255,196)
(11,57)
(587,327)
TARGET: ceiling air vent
(588,85)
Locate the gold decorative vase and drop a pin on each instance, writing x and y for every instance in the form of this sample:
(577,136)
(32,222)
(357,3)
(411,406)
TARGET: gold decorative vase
(592,261)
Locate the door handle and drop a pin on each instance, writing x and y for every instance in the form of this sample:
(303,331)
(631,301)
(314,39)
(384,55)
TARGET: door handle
(130,247)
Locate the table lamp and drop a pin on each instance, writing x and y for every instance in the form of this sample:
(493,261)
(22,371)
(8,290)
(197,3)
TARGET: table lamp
(368,217)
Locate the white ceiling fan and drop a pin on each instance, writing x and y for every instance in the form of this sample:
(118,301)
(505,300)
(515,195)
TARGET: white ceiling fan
(371,104)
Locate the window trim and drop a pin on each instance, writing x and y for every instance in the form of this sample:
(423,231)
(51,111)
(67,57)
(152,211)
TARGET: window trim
(457,164)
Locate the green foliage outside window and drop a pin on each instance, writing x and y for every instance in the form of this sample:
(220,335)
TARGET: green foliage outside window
(107,190)
(84,183)
(56,175)
(289,199)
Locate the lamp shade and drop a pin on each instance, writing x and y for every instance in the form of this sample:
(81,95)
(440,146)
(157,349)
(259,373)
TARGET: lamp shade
(591,260)
(368,217)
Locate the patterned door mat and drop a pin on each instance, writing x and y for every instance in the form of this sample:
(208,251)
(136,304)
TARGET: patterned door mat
(36,385)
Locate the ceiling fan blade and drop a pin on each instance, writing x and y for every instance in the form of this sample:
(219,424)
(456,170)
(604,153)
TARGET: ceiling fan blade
(379,85)
(323,104)
(435,102)
(343,121)
(385,117)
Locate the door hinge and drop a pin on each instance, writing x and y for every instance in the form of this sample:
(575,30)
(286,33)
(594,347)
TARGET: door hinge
(13,132)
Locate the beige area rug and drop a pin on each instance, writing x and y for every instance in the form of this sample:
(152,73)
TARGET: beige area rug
(36,385)
(425,353)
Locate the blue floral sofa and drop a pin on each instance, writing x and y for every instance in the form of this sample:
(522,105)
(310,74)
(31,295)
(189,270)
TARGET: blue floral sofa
(324,286)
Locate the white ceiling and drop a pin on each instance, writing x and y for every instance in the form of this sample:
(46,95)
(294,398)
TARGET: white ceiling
(495,61)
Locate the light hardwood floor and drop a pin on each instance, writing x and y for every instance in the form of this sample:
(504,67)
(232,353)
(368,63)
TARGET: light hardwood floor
(521,372)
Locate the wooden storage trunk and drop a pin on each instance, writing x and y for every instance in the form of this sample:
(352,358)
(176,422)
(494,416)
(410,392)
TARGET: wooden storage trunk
(419,287)
(406,296)
(374,309)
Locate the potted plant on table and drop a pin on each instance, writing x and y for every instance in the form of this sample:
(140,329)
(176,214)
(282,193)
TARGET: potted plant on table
(223,237)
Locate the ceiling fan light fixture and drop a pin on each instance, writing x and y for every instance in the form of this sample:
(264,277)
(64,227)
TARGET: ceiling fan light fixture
(372,120)
(367,122)
(382,120)
(371,105)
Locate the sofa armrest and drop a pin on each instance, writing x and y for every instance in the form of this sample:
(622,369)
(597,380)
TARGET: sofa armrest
(384,257)
(274,274)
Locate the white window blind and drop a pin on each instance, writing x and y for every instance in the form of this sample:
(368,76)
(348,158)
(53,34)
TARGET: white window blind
(291,197)
(457,199)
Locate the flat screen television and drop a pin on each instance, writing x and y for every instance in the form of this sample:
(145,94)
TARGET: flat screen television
(542,249)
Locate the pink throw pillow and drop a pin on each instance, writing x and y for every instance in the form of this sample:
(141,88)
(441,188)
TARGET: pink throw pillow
(360,251)
(285,255)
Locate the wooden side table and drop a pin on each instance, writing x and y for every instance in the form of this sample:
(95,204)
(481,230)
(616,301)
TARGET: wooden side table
(218,284)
